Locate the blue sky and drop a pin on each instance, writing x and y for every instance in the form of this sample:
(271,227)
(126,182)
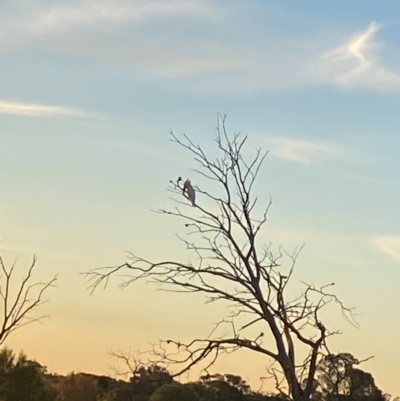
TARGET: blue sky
(89,90)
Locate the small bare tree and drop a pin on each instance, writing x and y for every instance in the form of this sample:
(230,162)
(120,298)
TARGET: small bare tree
(19,301)
(233,267)
(128,363)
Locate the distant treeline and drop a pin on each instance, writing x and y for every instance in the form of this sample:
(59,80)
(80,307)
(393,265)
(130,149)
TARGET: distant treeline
(22,379)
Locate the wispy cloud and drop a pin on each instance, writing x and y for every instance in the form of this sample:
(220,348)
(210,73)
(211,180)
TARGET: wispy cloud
(92,12)
(355,63)
(389,244)
(39,110)
(38,18)
(115,31)
(299,150)
(146,36)
(38,252)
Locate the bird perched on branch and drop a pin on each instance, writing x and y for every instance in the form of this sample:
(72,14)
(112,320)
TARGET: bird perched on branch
(187,186)
(320,326)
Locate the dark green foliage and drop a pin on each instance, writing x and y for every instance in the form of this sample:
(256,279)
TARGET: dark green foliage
(339,380)
(78,387)
(22,379)
(175,392)
(146,380)
(226,387)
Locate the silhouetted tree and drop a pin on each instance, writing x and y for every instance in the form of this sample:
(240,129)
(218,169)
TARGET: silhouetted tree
(23,379)
(340,380)
(174,392)
(118,391)
(79,387)
(146,380)
(19,300)
(226,386)
(232,266)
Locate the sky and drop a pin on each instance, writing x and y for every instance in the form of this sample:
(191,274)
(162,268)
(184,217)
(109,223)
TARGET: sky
(89,90)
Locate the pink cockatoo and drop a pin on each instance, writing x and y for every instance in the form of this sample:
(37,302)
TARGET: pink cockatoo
(190,191)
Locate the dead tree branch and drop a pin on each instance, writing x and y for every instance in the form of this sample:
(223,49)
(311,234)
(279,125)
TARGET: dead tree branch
(19,301)
(231,264)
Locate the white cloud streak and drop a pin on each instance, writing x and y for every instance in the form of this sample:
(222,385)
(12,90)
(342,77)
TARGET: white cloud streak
(39,110)
(299,150)
(389,244)
(34,18)
(116,31)
(112,31)
(91,12)
(356,64)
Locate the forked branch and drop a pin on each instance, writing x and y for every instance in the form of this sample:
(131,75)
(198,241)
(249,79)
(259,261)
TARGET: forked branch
(231,264)
(19,300)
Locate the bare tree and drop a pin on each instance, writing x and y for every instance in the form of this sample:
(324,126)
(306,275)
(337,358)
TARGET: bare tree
(132,363)
(19,301)
(232,266)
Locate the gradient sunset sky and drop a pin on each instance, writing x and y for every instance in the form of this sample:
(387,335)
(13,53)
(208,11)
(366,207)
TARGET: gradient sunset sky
(89,90)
